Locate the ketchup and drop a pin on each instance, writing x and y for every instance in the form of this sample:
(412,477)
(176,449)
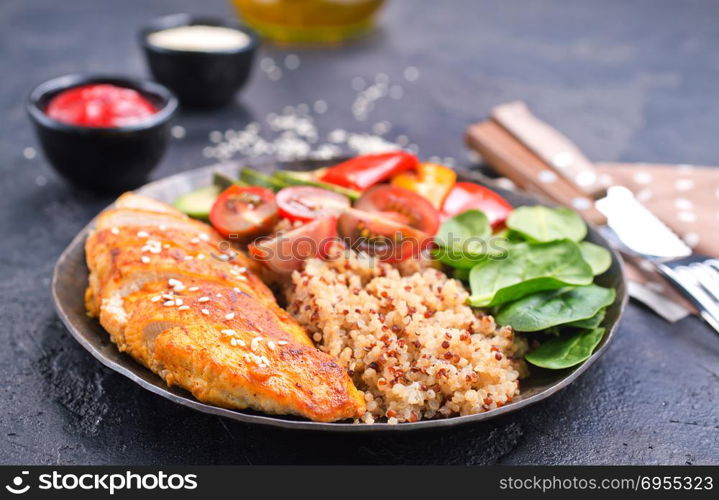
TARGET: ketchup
(100,105)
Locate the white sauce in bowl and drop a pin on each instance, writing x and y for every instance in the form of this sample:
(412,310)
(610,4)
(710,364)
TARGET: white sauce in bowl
(199,38)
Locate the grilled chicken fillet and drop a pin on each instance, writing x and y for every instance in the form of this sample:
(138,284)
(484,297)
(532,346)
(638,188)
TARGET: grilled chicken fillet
(201,319)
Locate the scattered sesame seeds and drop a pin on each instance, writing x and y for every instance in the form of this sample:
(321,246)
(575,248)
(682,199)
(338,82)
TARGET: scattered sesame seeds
(195,240)
(183,308)
(358,84)
(205,312)
(169,303)
(292,62)
(29,153)
(411,73)
(293,134)
(204,237)
(115,230)
(320,107)
(145,259)
(178,131)
(282,342)
(156,298)
(152,246)
(215,136)
(229,332)
(255,343)
(230,316)
(203,299)
(200,256)
(267,63)
(271,345)
(275,74)
(142,234)
(193,288)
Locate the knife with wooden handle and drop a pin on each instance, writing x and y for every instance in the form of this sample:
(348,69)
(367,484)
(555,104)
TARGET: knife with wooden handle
(550,145)
(514,160)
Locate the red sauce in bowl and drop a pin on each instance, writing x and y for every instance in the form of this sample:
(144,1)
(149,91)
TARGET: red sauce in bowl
(100,105)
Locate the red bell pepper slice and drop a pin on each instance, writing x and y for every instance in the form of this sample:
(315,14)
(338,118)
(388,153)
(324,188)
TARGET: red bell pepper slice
(365,171)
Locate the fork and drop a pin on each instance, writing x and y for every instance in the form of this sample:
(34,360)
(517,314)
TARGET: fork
(699,281)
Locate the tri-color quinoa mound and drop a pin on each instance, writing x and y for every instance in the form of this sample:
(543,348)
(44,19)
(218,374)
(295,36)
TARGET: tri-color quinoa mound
(409,341)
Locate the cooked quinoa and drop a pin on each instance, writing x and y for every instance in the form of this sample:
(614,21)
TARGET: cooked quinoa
(408,339)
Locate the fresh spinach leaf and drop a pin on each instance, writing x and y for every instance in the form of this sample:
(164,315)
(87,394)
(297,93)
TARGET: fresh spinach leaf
(590,323)
(465,226)
(598,258)
(544,310)
(466,239)
(541,224)
(526,269)
(567,350)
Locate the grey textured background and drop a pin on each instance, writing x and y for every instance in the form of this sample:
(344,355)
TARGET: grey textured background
(627,80)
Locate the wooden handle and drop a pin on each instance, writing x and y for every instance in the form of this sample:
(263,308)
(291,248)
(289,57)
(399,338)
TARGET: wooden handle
(512,159)
(550,145)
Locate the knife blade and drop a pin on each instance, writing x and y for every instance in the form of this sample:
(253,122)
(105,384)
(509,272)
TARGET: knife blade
(636,228)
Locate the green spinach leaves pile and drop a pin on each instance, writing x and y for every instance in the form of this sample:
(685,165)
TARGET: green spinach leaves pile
(536,275)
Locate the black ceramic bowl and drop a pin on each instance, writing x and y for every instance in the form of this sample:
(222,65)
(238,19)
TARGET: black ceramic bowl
(99,158)
(200,79)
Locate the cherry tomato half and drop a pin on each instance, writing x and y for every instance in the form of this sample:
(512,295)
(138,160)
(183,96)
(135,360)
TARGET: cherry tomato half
(401,205)
(305,203)
(467,195)
(288,251)
(381,236)
(244,213)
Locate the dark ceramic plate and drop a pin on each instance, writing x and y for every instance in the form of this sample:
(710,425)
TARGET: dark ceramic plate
(70,280)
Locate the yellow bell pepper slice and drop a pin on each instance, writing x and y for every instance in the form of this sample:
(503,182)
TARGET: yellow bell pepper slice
(431,180)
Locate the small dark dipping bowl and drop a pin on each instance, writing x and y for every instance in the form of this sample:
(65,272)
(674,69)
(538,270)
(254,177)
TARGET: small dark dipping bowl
(199,78)
(103,159)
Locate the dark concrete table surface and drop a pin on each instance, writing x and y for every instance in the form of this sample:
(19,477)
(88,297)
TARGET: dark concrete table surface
(627,80)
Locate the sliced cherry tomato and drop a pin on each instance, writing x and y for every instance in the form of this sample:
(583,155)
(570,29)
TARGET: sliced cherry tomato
(244,212)
(305,203)
(287,251)
(381,236)
(365,171)
(467,195)
(411,208)
(431,180)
